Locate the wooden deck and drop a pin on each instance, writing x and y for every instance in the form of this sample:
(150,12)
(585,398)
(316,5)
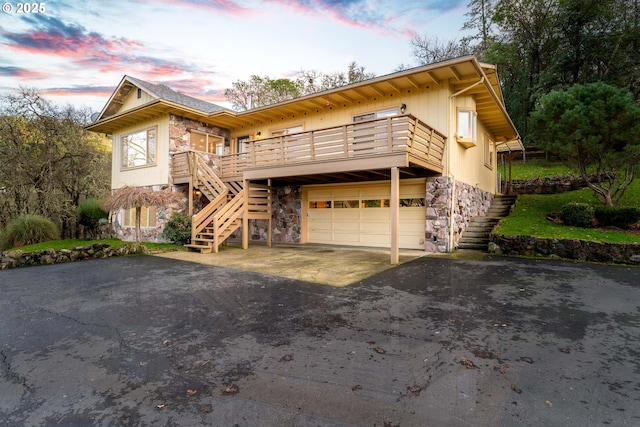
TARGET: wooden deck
(398,141)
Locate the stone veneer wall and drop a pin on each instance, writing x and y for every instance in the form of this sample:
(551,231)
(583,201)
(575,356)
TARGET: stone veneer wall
(438,201)
(470,201)
(286,217)
(179,137)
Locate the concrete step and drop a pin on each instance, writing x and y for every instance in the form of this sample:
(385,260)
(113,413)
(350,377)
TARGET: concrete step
(476,235)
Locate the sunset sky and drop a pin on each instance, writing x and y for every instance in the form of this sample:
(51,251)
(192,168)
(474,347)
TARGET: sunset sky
(77,51)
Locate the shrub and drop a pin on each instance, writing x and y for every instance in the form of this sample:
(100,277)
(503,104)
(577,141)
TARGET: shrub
(577,214)
(622,217)
(90,213)
(28,230)
(178,228)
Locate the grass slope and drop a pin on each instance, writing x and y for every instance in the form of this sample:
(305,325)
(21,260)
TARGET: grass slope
(529,217)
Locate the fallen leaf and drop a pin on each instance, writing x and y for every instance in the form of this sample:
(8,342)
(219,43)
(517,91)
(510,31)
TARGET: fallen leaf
(380,350)
(356,387)
(166,342)
(526,359)
(207,409)
(549,404)
(143,363)
(468,363)
(286,358)
(160,406)
(565,350)
(415,390)
(191,392)
(232,389)
(516,389)
(371,342)
(281,343)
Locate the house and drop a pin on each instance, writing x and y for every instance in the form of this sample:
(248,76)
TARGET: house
(403,160)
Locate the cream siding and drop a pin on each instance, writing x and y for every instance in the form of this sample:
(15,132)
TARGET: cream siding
(426,105)
(157,174)
(132,100)
(467,164)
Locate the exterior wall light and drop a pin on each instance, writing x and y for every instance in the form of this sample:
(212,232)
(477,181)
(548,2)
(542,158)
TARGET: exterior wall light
(403,108)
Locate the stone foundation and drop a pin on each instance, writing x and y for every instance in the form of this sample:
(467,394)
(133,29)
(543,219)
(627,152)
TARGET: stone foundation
(470,201)
(438,202)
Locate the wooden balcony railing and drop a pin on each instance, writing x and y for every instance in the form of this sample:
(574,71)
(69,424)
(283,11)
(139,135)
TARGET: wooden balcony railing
(396,134)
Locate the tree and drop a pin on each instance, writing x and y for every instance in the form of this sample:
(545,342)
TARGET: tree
(54,162)
(260,91)
(480,18)
(595,127)
(428,50)
(136,197)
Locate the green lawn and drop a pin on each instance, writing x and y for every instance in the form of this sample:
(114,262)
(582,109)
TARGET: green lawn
(530,214)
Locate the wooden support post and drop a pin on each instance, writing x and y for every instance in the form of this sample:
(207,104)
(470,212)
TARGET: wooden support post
(245,215)
(270,207)
(395,214)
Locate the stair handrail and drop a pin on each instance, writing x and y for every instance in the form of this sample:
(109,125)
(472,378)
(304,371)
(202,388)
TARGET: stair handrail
(225,216)
(207,177)
(200,220)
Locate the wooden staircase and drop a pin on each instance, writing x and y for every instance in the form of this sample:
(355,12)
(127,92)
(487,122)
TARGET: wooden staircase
(476,235)
(230,206)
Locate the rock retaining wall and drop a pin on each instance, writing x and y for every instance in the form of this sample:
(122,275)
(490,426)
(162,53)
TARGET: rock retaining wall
(579,250)
(548,185)
(14,259)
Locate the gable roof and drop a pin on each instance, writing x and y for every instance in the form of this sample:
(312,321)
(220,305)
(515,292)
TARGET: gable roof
(159,92)
(464,74)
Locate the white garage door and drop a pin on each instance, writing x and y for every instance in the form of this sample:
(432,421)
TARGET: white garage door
(360,215)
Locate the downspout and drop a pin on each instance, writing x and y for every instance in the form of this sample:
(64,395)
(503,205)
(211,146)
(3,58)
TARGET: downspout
(451,245)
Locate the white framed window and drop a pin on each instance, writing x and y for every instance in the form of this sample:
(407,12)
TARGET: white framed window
(467,126)
(139,148)
(147,217)
(489,151)
(206,142)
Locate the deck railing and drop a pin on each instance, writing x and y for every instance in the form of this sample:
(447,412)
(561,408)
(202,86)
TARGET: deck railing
(354,140)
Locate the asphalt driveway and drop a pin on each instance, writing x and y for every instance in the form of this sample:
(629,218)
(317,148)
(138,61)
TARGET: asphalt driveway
(432,342)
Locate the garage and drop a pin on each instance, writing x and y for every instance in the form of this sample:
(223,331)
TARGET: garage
(359,215)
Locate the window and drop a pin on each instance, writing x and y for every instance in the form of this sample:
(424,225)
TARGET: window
(207,142)
(489,148)
(375,115)
(467,126)
(365,203)
(286,131)
(139,149)
(139,93)
(147,217)
(242,143)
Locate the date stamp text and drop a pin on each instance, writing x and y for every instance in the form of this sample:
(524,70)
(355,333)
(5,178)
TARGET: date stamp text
(24,8)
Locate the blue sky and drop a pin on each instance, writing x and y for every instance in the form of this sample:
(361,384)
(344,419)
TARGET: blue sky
(77,51)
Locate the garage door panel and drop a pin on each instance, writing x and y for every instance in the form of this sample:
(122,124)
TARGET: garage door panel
(348,223)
